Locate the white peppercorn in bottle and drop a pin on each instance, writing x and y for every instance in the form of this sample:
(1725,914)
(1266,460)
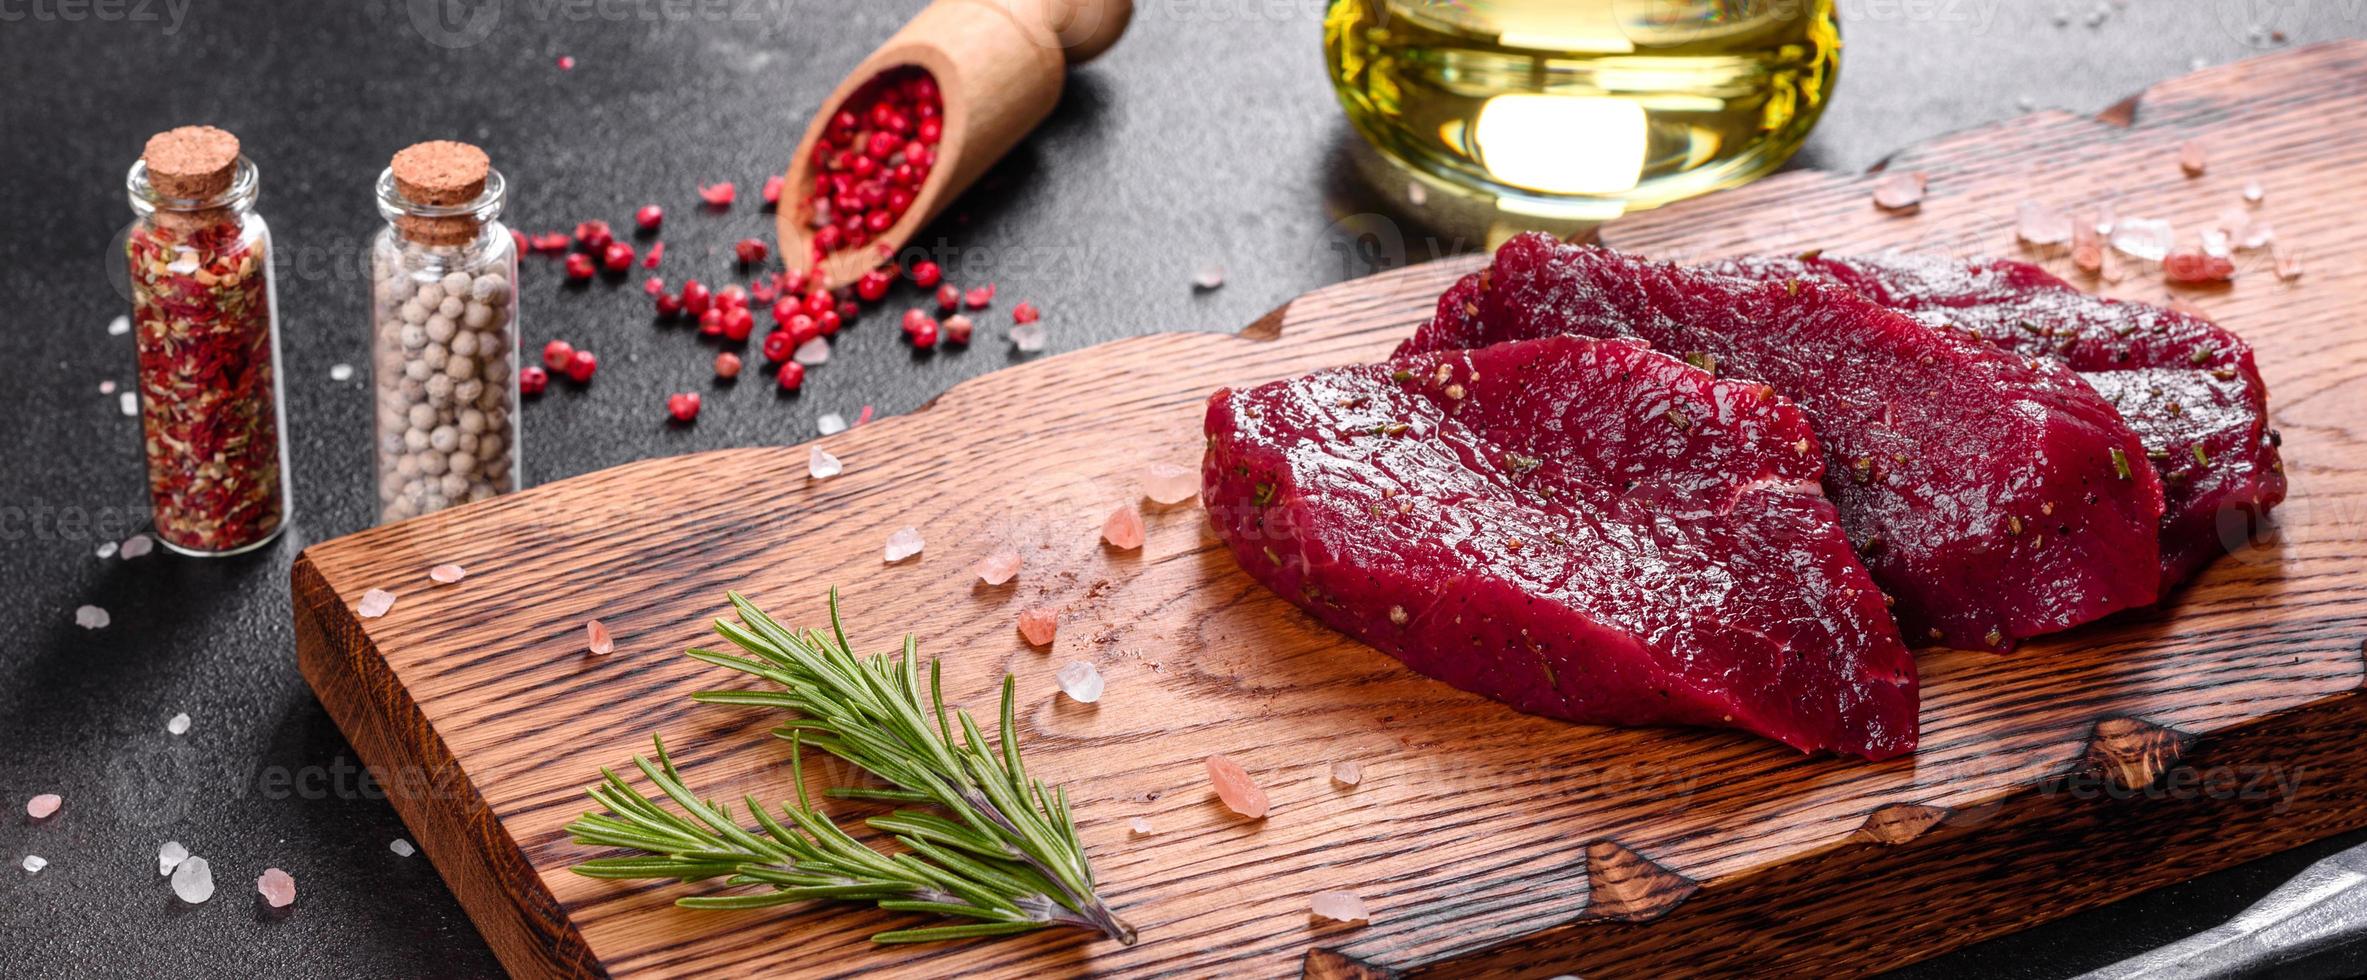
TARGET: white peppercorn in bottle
(445,333)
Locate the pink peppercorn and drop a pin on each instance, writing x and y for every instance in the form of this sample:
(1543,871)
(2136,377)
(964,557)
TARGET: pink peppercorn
(750,251)
(732,297)
(718,195)
(581,366)
(618,257)
(828,323)
(957,329)
(657,251)
(949,298)
(683,406)
(556,354)
(593,235)
(1025,312)
(669,305)
(653,286)
(579,266)
(649,217)
(727,365)
(978,296)
(924,334)
(738,324)
(532,380)
(711,322)
(696,298)
(926,274)
(873,286)
(772,190)
(791,376)
(778,345)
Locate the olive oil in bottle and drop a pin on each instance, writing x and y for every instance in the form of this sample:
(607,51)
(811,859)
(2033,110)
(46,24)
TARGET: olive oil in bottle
(1583,109)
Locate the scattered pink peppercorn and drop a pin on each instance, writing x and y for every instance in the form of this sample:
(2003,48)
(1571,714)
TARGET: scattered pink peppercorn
(727,365)
(817,303)
(957,329)
(949,298)
(732,297)
(532,380)
(653,286)
(566,62)
(926,274)
(711,322)
(581,366)
(657,251)
(913,318)
(649,217)
(556,354)
(924,334)
(828,323)
(618,257)
(718,195)
(669,305)
(801,328)
(683,406)
(778,346)
(772,190)
(786,307)
(738,324)
(847,310)
(873,286)
(579,266)
(750,251)
(978,296)
(696,298)
(791,376)
(1025,312)
(762,292)
(551,242)
(593,235)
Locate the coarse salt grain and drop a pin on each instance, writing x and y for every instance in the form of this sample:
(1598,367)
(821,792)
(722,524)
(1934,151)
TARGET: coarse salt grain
(1416,194)
(91,617)
(1899,192)
(401,847)
(998,568)
(812,352)
(597,640)
(2193,157)
(1235,788)
(277,887)
(1028,338)
(137,545)
(119,326)
(2253,192)
(107,387)
(1209,277)
(2038,224)
(128,402)
(1038,625)
(830,424)
(106,550)
(169,857)
(822,466)
(1339,906)
(40,807)
(1139,825)
(1169,483)
(2143,238)
(374,604)
(193,881)
(1123,528)
(1347,773)
(1080,681)
(177,724)
(340,372)
(34,863)
(903,544)
(447,574)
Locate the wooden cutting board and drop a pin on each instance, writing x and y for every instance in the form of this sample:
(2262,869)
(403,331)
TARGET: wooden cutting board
(2147,749)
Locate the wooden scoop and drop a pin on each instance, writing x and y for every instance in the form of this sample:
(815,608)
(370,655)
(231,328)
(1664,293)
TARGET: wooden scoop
(999,66)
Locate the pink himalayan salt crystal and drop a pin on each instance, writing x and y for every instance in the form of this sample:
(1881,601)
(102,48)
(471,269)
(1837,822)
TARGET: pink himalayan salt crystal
(1139,825)
(596,639)
(1339,906)
(1347,773)
(40,807)
(2253,192)
(91,617)
(1123,529)
(905,543)
(374,604)
(1235,788)
(2193,158)
(1899,192)
(2288,266)
(1168,483)
(277,887)
(138,544)
(2038,224)
(1038,624)
(447,573)
(998,568)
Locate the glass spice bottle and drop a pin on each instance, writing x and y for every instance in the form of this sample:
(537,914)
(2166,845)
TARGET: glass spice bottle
(445,332)
(205,319)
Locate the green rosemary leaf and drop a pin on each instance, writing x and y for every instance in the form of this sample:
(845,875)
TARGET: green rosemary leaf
(941,933)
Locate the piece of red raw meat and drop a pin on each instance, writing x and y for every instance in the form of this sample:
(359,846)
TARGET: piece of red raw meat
(1993,496)
(1582,529)
(2182,382)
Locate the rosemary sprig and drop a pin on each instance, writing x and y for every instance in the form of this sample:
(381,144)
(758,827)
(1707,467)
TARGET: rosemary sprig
(996,846)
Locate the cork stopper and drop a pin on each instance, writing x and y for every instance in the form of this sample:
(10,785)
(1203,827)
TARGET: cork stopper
(192,162)
(441,173)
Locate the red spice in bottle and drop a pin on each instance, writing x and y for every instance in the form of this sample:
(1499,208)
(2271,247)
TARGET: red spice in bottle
(206,334)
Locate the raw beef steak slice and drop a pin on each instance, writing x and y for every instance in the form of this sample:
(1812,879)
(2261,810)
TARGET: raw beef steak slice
(2187,386)
(1582,529)
(1994,496)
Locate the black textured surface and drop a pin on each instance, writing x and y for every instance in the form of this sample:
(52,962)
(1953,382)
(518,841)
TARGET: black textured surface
(1206,136)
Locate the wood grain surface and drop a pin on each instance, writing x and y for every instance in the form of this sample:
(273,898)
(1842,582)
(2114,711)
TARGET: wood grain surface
(2149,748)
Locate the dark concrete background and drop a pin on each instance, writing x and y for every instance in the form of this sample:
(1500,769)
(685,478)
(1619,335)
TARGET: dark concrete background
(1207,136)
